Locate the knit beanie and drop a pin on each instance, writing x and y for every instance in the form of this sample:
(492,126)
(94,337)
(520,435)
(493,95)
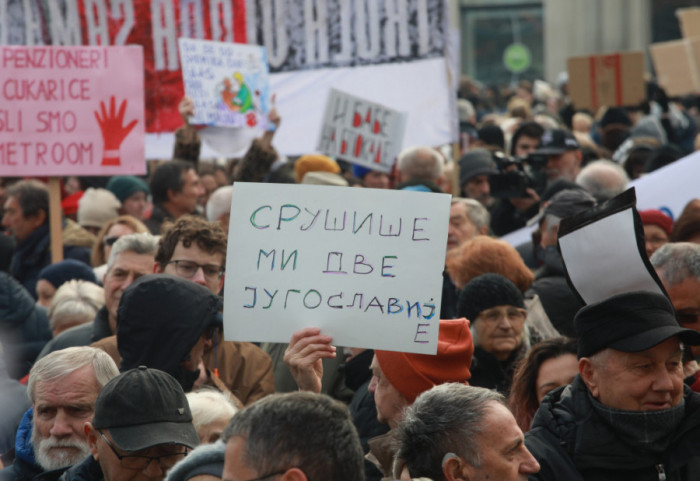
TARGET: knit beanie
(485,292)
(61,272)
(124,186)
(96,207)
(412,374)
(314,163)
(658,218)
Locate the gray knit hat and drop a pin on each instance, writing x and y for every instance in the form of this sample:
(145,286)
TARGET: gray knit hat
(205,459)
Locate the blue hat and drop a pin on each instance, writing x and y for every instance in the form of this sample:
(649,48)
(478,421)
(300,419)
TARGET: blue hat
(359,171)
(61,272)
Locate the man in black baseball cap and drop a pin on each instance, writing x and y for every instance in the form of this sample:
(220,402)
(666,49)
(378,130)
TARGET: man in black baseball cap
(628,414)
(142,426)
(563,154)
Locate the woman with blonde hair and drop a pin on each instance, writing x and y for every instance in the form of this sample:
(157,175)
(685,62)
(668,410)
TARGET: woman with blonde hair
(108,235)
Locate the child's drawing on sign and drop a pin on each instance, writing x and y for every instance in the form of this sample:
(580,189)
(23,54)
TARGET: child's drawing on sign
(228,83)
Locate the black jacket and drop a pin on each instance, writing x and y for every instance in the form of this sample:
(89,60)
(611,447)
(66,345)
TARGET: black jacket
(87,470)
(34,253)
(571,442)
(559,301)
(24,327)
(489,372)
(82,335)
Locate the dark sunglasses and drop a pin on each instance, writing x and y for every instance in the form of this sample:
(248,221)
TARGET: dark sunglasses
(109,241)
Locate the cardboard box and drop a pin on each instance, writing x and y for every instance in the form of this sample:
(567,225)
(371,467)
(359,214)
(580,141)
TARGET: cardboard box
(689,20)
(676,65)
(606,80)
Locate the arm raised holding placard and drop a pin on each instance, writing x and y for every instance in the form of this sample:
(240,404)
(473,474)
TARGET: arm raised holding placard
(304,357)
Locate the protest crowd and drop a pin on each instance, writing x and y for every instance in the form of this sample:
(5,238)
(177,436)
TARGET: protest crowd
(115,366)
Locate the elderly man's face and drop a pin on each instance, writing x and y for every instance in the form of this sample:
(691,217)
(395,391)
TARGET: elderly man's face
(502,449)
(479,188)
(61,408)
(461,228)
(650,380)
(165,456)
(390,402)
(126,268)
(686,301)
(564,166)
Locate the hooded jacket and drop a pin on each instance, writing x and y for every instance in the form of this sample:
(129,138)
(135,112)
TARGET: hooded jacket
(570,441)
(160,318)
(24,326)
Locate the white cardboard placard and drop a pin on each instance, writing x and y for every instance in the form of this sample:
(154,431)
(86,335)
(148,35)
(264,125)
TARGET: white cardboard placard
(364,265)
(362,132)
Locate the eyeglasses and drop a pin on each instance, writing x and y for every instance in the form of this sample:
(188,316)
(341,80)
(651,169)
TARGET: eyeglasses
(109,241)
(138,462)
(513,314)
(188,269)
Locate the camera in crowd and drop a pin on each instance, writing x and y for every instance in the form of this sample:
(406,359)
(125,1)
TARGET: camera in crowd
(516,174)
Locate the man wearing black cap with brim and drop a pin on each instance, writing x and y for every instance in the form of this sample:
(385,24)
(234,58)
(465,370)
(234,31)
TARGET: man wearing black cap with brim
(142,426)
(627,415)
(563,154)
(558,301)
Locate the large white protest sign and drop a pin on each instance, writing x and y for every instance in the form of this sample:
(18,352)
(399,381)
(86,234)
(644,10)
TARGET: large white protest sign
(364,265)
(228,82)
(364,133)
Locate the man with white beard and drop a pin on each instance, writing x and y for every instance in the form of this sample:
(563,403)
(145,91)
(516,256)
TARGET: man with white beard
(62,388)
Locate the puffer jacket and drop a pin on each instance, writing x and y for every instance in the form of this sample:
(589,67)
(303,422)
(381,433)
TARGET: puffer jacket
(570,441)
(24,327)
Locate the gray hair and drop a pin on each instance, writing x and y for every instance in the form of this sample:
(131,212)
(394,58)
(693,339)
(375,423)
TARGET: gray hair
(76,302)
(603,179)
(448,418)
(219,203)
(312,432)
(144,243)
(676,261)
(59,364)
(421,162)
(476,212)
(209,406)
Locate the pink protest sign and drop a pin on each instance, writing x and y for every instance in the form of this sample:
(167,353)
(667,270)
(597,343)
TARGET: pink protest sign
(71,111)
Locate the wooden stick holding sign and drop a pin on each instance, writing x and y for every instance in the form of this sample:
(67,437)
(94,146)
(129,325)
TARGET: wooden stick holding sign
(55,220)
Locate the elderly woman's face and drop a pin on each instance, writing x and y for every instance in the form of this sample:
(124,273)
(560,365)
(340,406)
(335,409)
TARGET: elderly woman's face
(499,330)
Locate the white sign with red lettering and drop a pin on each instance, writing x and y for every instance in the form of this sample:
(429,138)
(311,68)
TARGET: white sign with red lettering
(71,111)
(362,132)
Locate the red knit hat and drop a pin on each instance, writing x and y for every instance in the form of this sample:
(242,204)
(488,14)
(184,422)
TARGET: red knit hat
(412,374)
(656,217)
(70,203)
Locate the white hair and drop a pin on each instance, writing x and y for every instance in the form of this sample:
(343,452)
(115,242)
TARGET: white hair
(209,406)
(59,364)
(219,203)
(421,162)
(76,302)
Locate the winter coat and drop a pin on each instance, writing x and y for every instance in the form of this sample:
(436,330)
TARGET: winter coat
(570,441)
(14,402)
(24,468)
(82,335)
(559,301)
(87,470)
(34,253)
(24,327)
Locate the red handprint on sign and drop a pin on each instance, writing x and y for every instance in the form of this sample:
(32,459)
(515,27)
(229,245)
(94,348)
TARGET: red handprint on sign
(113,133)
